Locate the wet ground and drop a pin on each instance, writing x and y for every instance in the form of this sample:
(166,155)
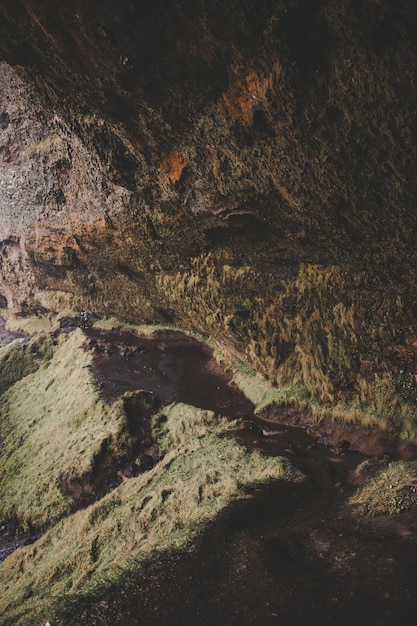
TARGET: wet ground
(176,368)
(13,537)
(289,556)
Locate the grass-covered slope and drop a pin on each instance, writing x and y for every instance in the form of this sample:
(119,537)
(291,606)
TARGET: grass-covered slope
(22,358)
(53,422)
(53,425)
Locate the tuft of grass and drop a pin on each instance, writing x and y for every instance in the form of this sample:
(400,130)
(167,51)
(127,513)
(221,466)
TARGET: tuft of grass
(200,473)
(255,387)
(179,424)
(260,391)
(393,490)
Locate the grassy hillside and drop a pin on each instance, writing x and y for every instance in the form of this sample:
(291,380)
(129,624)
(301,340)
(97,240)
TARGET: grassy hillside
(53,424)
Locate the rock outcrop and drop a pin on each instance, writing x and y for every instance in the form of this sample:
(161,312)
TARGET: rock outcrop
(55,200)
(242,168)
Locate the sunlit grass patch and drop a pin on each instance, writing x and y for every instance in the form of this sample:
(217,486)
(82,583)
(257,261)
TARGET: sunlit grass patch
(33,324)
(52,422)
(22,357)
(179,425)
(200,473)
(392,491)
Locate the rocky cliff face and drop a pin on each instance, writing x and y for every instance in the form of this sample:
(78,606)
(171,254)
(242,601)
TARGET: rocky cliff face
(55,200)
(243,168)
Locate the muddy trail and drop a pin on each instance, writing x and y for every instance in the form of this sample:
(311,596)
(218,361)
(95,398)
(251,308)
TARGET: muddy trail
(290,556)
(174,367)
(292,553)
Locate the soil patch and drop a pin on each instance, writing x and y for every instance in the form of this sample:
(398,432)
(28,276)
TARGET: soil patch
(290,555)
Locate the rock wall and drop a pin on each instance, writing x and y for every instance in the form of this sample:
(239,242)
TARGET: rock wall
(55,200)
(244,168)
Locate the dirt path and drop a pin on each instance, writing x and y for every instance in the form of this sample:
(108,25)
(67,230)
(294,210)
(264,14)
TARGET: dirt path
(289,556)
(293,553)
(176,368)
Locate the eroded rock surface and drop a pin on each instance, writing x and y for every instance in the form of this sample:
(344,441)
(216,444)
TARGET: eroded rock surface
(55,200)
